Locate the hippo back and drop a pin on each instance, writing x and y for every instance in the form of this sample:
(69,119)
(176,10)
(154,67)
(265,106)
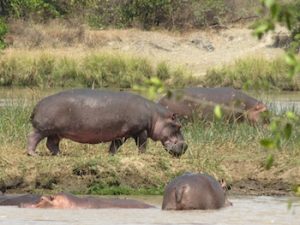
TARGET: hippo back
(193,191)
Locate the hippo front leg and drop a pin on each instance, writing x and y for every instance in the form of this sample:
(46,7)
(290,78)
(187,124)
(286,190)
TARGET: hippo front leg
(53,144)
(115,145)
(141,141)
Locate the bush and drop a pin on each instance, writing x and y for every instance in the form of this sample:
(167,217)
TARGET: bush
(3,31)
(253,73)
(97,70)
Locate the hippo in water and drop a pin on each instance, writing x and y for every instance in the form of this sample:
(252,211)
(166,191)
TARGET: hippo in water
(11,200)
(200,102)
(194,191)
(94,116)
(68,201)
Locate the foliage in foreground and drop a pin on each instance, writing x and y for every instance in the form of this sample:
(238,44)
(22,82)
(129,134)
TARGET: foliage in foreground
(143,13)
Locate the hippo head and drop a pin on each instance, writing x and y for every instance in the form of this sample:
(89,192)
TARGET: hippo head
(167,130)
(53,201)
(256,113)
(225,188)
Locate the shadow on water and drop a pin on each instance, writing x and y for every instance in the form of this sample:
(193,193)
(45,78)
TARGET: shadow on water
(246,210)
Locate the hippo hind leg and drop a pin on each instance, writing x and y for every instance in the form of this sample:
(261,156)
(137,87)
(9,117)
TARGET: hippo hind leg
(115,145)
(141,141)
(33,139)
(53,144)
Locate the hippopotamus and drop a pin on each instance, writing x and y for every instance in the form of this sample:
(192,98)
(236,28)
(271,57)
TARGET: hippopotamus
(95,116)
(194,191)
(68,201)
(7,200)
(200,102)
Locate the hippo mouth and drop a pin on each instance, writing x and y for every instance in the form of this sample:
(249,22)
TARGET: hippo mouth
(175,149)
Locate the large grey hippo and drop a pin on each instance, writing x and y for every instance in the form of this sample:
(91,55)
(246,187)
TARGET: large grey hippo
(194,191)
(68,201)
(94,116)
(200,102)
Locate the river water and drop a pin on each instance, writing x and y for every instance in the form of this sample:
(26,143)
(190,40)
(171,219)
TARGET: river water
(262,210)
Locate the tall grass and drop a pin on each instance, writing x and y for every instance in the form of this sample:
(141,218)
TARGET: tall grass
(254,73)
(98,70)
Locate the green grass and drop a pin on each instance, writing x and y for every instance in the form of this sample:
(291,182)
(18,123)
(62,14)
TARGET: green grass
(112,70)
(214,147)
(253,73)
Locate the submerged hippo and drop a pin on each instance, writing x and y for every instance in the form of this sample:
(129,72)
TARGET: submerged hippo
(200,102)
(7,200)
(94,116)
(68,201)
(194,191)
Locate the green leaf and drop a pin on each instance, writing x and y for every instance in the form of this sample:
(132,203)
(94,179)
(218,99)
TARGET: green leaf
(290,59)
(268,143)
(269,3)
(290,115)
(275,10)
(287,131)
(155,81)
(218,111)
(269,162)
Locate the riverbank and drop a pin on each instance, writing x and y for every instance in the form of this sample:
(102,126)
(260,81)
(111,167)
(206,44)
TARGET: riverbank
(228,151)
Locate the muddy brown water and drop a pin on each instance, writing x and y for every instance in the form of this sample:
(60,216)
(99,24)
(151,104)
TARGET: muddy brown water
(262,210)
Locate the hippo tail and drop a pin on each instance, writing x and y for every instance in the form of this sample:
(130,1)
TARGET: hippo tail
(179,193)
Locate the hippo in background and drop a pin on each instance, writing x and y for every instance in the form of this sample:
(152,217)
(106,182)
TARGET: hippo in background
(194,191)
(68,201)
(13,200)
(95,116)
(198,102)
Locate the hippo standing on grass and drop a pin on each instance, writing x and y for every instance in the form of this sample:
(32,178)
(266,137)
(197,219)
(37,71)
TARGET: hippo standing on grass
(94,116)
(194,191)
(200,102)
(68,201)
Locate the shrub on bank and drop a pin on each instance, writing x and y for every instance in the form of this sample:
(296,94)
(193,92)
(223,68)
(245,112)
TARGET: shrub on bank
(253,73)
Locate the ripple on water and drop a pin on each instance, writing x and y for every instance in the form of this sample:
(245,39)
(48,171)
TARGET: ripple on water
(246,210)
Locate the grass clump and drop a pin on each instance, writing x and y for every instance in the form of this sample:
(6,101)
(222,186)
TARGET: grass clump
(253,73)
(94,70)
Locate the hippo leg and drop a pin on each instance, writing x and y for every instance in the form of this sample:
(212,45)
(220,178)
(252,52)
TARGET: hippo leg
(141,141)
(33,139)
(53,144)
(115,145)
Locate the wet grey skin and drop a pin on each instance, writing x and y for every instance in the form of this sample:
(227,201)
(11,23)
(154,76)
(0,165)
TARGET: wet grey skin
(9,200)
(198,102)
(192,191)
(69,201)
(95,116)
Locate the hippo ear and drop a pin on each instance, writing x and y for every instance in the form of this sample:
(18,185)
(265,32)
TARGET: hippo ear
(174,116)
